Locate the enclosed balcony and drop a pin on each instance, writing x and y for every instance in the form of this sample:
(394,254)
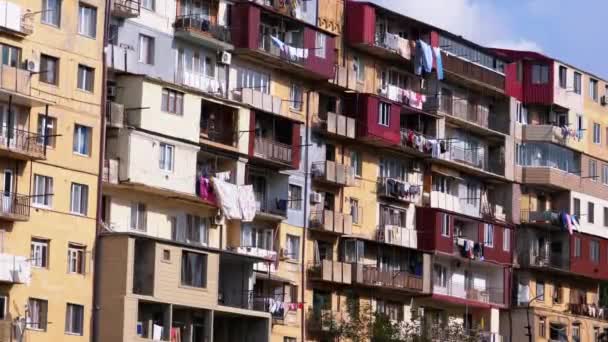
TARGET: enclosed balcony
(331,271)
(550,165)
(275,141)
(271,193)
(287,44)
(333,173)
(472,154)
(125,8)
(338,125)
(14,269)
(378,121)
(15,20)
(330,221)
(115,114)
(394,234)
(16,88)
(219,125)
(203,22)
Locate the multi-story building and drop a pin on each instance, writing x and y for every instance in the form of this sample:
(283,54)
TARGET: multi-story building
(562,168)
(50,104)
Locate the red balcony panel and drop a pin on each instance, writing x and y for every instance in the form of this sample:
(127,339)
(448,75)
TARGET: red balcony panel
(367,107)
(430,237)
(583,264)
(245,30)
(360,23)
(296,144)
(513,86)
(525,90)
(320,65)
(496,253)
(541,94)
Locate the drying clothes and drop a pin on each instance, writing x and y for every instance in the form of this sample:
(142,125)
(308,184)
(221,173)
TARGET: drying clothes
(443,146)
(204,189)
(569,223)
(435,150)
(404,48)
(277,42)
(392,41)
(247,202)
(227,195)
(438,62)
(424,58)
(575,222)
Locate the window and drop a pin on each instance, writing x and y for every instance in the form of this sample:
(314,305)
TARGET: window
(257,237)
(49,69)
(440,274)
(593,89)
(172,101)
(51,12)
(577,83)
(166,255)
(290,339)
(354,210)
(596,334)
(577,207)
(488,235)
(605,174)
(47,129)
(3,306)
(605,217)
(472,194)
(593,170)
(296,97)
(540,74)
(542,326)
(563,74)
(166,157)
(79,198)
(590,212)
(579,126)
(391,310)
(194,269)
(359,68)
(445,225)
(82,140)
(148,4)
(76,258)
(319,44)
(86,76)
(197,230)
(146,49)
(506,239)
(293,247)
(39,253)
(540,290)
(36,314)
(251,79)
(74,315)
(43,190)
(356,163)
(295,197)
(597,134)
(139,217)
(557,293)
(577,247)
(87,20)
(384,114)
(594,251)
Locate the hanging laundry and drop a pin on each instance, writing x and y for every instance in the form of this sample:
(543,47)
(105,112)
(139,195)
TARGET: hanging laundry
(278,43)
(391,41)
(434,148)
(424,58)
(438,63)
(227,194)
(404,48)
(575,222)
(247,202)
(569,223)
(443,146)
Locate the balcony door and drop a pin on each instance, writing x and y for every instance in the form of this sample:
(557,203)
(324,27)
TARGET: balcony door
(7,203)
(8,124)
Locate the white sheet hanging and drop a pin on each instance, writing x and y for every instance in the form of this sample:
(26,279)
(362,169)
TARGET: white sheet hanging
(227,195)
(247,202)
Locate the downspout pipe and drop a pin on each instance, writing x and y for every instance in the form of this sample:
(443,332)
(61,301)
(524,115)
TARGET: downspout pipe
(305,216)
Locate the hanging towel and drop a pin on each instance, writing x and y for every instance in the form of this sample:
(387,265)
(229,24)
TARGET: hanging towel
(227,195)
(439,63)
(247,202)
(424,58)
(569,223)
(434,148)
(575,222)
(276,41)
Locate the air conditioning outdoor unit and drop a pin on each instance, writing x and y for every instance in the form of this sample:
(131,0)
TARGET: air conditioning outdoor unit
(315,198)
(225,57)
(112,91)
(32,65)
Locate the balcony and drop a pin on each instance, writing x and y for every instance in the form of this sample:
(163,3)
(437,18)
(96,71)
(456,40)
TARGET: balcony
(15,207)
(15,269)
(472,74)
(273,151)
(406,97)
(23,145)
(15,21)
(270,207)
(398,236)
(333,173)
(259,100)
(15,84)
(471,292)
(476,158)
(548,133)
(201,29)
(110,171)
(263,266)
(397,189)
(399,280)
(344,77)
(218,125)
(125,8)
(544,218)
(551,177)
(338,125)
(323,321)
(592,310)
(331,271)
(200,82)
(115,114)
(332,222)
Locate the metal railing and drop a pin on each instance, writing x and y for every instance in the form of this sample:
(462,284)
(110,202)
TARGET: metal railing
(14,204)
(589,310)
(473,157)
(200,23)
(128,8)
(471,292)
(372,275)
(288,53)
(397,189)
(539,217)
(333,172)
(273,150)
(468,111)
(22,141)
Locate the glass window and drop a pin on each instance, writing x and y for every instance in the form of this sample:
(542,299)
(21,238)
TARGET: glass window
(605,174)
(166,157)
(49,69)
(605,217)
(86,77)
(295,197)
(540,290)
(540,74)
(43,191)
(139,216)
(356,163)
(549,155)
(355,210)
(11,56)
(577,83)
(384,114)
(576,203)
(593,89)
(563,76)
(594,251)
(251,79)
(82,140)
(146,49)
(577,247)
(296,97)
(197,230)
(51,12)
(74,316)
(590,212)
(440,274)
(320,39)
(36,314)
(359,68)
(39,253)
(172,101)
(597,134)
(76,258)
(293,247)
(506,239)
(445,224)
(47,130)
(79,199)
(488,233)
(148,4)
(593,170)
(87,20)
(194,269)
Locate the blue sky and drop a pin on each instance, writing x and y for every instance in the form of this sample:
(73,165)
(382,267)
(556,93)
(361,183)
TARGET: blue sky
(575,31)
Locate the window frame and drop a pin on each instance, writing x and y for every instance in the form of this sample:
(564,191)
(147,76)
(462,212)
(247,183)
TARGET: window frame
(292,241)
(594,251)
(44,73)
(52,12)
(359,68)
(46,127)
(166,164)
(42,312)
(597,133)
(172,101)
(593,89)
(82,207)
(294,203)
(355,214)
(82,140)
(83,28)
(85,79)
(590,212)
(138,217)
(190,281)
(44,246)
(320,44)
(540,284)
(47,198)
(384,114)
(70,310)
(76,259)
(149,43)
(445,225)
(296,96)
(578,83)
(563,77)
(506,239)
(488,235)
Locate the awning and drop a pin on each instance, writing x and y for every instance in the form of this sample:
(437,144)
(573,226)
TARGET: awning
(446,172)
(272,277)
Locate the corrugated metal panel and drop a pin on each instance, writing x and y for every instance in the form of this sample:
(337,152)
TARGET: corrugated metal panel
(360,23)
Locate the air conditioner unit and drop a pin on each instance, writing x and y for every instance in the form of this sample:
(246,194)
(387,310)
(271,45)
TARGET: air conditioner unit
(604,100)
(32,65)
(111,90)
(225,57)
(315,198)
(282,254)
(218,219)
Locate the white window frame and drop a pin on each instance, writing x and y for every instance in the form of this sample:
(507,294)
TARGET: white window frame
(40,308)
(82,140)
(79,199)
(166,157)
(488,235)
(76,259)
(293,247)
(597,133)
(359,68)
(320,39)
(296,96)
(146,49)
(149,5)
(46,127)
(86,13)
(71,313)
(51,12)
(384,114)
(440,276)
(506,239)
(45,198)
(445,225)
(39,253)
(594,246)
(139,217)
(82,80)
(196,225)
(295,203)
(577,83)
(355,210)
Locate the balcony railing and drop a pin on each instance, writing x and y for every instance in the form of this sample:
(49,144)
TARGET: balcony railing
(199,81)
(471,292)
(273,150)
(493,211)
(331,221)
(110,171)
(22,142)
(373,276)
(394,43)
(540,217)
(473,157)
(291,54)
(202,24)
(404,96)
(471,112)
(267,205)
(14,269)
(399,236)
(398,189)
(339,124)
(331,172)
(15,80)
(15,207)
(264,266)
(589,310)
(331,271)
(472,72)
(259,99)
(125,8)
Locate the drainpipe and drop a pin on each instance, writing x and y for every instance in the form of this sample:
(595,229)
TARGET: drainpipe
(102,139)
(305,217)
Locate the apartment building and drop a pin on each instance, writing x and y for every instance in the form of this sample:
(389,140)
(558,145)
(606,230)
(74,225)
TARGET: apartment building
(50,106)
(559,135)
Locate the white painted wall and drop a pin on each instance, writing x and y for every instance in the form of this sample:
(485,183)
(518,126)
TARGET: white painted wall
(596,228)
(567,97)
(161,19)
